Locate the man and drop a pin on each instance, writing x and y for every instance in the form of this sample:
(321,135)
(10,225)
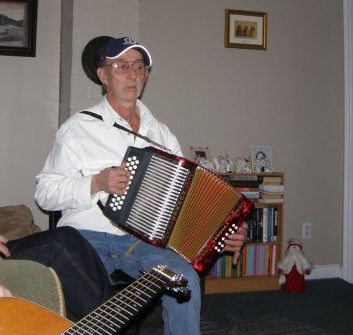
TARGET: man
(84,280)
(85,165)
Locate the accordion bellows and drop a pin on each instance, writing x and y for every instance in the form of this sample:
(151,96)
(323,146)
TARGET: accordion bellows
(175,203)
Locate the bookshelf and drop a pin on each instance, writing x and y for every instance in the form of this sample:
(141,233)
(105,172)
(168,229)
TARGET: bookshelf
(257,267)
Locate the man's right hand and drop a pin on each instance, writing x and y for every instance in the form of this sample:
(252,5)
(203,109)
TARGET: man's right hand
(111,180)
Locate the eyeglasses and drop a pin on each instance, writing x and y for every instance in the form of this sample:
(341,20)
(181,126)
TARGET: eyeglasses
(123,67)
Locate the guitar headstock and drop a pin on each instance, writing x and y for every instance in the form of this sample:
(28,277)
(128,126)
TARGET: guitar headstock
(176,282)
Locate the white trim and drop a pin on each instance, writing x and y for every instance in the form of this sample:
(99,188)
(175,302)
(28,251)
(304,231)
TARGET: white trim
(325,272)
(347,267)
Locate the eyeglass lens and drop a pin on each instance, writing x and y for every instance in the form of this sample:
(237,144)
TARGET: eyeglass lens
(123,67)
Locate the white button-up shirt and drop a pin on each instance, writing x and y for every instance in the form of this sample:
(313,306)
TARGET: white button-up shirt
(84,146)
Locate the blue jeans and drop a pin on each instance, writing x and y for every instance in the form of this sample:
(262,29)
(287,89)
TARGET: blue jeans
(132,255)
(85,283)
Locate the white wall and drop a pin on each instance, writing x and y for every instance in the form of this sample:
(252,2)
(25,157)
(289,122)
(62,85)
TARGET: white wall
(29,95)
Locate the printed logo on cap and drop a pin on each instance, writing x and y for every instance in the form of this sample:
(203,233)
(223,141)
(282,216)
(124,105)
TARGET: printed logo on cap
(128,40)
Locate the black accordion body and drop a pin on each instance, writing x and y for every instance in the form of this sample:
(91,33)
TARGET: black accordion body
(175,203)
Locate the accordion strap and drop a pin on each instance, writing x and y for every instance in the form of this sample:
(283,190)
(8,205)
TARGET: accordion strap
(116,125)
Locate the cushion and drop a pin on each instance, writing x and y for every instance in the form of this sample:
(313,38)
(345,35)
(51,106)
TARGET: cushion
(34,282)
(16,221)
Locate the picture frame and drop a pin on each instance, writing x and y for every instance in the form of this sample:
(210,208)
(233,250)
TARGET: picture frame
(18,27)
(245,29)
(199,153)
(261,158)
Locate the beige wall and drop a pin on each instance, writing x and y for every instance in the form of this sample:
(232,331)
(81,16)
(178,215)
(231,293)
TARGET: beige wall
(289,97)
(29,95)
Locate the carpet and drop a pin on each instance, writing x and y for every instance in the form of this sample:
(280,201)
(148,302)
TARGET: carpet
(326,308)
(259,325)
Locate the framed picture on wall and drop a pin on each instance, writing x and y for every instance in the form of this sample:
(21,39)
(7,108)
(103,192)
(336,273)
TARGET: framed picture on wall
(261,158)
(245,29)
(199,154)
(18,27)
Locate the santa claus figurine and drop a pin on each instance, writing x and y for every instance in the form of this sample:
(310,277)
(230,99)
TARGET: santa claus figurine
(293,268)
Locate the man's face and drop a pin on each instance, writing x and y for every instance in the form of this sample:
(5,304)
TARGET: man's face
(125,87)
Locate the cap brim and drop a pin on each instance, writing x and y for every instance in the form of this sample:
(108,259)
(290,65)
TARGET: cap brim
(144,52)
(90,55)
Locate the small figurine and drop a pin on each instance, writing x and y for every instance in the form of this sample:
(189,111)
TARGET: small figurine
(230,167)
(247,165)
(293,268)
(239,163)
(206,164)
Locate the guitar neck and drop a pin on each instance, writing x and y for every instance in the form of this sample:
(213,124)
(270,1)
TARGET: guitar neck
(116,313)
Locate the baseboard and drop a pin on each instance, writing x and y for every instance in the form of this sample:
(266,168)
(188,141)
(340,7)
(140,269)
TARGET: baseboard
(325,272)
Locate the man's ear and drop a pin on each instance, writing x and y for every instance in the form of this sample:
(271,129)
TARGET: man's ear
(102,76)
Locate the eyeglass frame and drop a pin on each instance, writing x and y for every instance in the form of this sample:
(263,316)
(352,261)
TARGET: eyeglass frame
(113,65)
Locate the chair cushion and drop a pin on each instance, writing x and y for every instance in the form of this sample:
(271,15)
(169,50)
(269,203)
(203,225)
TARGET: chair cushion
(16,222)
(34,282)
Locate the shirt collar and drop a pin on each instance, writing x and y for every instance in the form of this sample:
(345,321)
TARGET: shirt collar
(110,116)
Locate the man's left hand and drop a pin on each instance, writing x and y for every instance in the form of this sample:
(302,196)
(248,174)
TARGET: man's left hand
(235,242)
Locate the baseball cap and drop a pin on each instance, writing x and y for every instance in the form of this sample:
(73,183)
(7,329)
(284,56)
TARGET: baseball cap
(115,47)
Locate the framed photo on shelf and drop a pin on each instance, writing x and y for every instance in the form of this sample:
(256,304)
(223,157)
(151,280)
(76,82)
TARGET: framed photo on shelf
(261,158)
(18,27)
(245,29)
(200,153)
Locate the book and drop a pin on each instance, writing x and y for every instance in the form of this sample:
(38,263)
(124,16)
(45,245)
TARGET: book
(264,195)
(247,189)
(244,183)
(265,224)
(271,188)
(272,179)
(271,201)
(254,195)
(275,224)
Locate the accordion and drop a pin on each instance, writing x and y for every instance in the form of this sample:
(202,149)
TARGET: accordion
(172,202)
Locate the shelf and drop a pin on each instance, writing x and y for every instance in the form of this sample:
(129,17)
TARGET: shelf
(244,284)
(256,282)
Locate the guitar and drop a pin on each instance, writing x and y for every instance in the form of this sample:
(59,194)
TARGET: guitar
(21,317)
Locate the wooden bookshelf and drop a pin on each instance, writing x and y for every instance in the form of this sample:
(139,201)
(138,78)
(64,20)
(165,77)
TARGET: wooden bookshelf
(253,282)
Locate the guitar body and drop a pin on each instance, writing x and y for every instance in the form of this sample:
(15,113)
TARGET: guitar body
(21,317)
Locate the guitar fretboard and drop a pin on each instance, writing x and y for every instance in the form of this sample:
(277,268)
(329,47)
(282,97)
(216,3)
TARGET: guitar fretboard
(115,314)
